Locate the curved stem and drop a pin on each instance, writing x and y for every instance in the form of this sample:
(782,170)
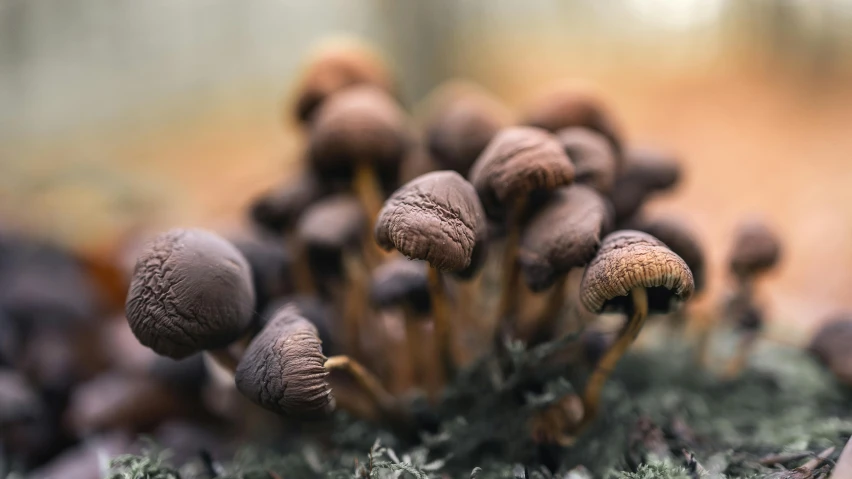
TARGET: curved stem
(441,315)
(592,394)
(369,383)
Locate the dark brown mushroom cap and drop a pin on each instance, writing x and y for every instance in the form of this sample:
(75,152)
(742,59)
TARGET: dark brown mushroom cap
(756,249)
(568,106)
(270,263)
(831,346)
(278,209)
(401,281)
(519,161)
(334,67)
(680,238)
(464,120)
(283,368)
(313,308)
(595,163)
(630,259)
(191,290)
(644,173)
(359,124)
(19,401)
(565,233)
(437,218)
(336,222)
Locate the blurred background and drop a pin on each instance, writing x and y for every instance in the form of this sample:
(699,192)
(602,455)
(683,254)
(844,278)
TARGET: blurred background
(122,116)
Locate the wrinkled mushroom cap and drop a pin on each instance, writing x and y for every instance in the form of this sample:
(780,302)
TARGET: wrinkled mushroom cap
(337,65)
(592,155)
(565,233)
(359,124)
(462,123)
(756,249)
(831,346)
(191,290)
(644,172)
(519,161)
(437,218)
(313,308)
(401,281)
(630,259)
(278,209)
(283,368)
(682,240)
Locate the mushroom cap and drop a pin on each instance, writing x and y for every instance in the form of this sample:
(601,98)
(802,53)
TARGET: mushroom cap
(831,346)
(756,249)
(359,124)
(437,218)
(283,368)
(570,105)
(682,240)
(191,290)
(565,233)
(320,313)
(278,209)
(630,259)
(463,121)
(336,222)
(19,401)
(644,172)
(595,162)
(271,264)
(401,281)
(335,66)
(519,161)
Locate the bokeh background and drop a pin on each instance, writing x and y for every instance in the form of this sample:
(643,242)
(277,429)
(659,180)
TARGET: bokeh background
(124,116)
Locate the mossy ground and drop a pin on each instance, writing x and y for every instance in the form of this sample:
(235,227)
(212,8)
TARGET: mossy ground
(660,408)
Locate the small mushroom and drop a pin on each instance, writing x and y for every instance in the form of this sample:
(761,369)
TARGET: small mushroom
(636,272)
(271,265)
(464,119)
(360,135)
(831,346)
(682,240)
(437,218)
(595,162)
(191,291)
(563,234)
(313,308)
(278,210)
(645,172)
(337,65)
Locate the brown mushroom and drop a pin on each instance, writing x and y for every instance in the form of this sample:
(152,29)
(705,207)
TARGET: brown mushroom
(437,218)
(337,65)
(682,240)
(277,210)
(271,265)
(563,234)
(519,162)
(362,135)
(636,272)
(462,123)
(595,163)
(191,291)
(830,346)
(645,172)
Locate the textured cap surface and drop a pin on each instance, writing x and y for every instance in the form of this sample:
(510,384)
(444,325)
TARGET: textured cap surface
(437,218)
(191,290)
(283,368)
(519,161)
(679,237)
(756,249)
(563,234)
(629,259)
(592,155)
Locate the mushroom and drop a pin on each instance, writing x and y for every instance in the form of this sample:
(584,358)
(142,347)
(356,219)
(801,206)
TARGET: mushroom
(563,234)
(464,119)
(831,346)
(519,162)
(360,134)
(271,265)
(284,370)
(595,162)
(337,65)
(682,240)
(191,291)
(437,218)
(636,272)
(278,210)
(644,173)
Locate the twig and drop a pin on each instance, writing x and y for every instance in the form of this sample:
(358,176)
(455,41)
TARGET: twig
(817,461)
(773,459)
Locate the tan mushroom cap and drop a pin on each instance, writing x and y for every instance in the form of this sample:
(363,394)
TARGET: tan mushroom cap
(680,238)
(336,65)
(756,249)
(594,160)
(644,172)
(283,368)
(630,259)
(437,218)
(519,161)
(334,223)
(565,233)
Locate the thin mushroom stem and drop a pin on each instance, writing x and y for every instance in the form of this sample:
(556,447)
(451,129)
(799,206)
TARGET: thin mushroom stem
(546,325)
(508,308)
(441,314)
(471,325)
(303,278)
(354,303)
(738,361)
(416,354)
(592,394)
(224,358)
(371,385)
(367,188)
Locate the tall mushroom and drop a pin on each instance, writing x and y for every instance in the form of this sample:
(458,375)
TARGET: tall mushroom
(595,162)
(520,162)
(437,218)
(564,234)
(636,272)
(191,291)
